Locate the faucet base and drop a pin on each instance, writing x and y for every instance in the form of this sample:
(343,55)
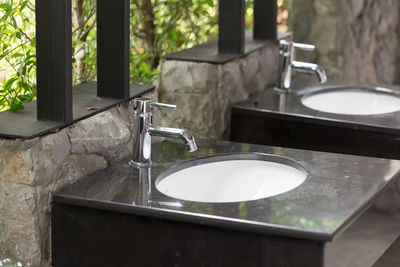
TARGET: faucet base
(282,91)
(140,164)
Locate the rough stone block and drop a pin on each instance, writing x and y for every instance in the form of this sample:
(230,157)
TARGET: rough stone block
(16,167)
(49,156)
(191,76)
(18,211)
(204,92)
(105,134)
(30,170)
(196,113)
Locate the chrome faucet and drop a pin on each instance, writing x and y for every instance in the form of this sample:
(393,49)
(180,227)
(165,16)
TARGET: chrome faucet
(143,130)
(287,65)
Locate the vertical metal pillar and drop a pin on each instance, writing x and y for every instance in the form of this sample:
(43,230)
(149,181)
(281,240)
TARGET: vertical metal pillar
(265,16)
(231,26)
(113,48)
(54,60)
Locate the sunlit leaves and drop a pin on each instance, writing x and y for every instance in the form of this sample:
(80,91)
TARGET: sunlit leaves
(140,69)
(17,54)
(6,7)
(84,46)
(178,25)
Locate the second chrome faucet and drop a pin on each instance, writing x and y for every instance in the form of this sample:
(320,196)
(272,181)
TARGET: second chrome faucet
(287,65)
(143,130)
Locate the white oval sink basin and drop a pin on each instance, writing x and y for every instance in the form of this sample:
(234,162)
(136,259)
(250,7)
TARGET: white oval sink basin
(353,101)
(231,178)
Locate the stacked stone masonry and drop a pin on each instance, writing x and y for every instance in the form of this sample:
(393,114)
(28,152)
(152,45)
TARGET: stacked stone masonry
(30,170)
(204,92)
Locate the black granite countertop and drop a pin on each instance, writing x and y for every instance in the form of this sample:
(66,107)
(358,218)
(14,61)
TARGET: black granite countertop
(277,105)
(338,188)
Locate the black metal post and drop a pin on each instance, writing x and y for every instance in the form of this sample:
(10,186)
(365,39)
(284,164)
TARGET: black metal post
(231,26)
(113,48)
(265,16)
(54,60)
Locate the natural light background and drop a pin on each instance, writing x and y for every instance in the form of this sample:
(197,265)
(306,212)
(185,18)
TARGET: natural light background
(158,27)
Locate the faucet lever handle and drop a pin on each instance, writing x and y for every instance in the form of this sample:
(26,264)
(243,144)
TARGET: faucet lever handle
(163,105)
(306,47)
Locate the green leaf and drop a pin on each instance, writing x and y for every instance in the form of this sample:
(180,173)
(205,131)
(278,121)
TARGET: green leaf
(9,84)
(16,107)
(17,54)
(14,22)
(143,67)
(5,6)
(209,2)
(23,5)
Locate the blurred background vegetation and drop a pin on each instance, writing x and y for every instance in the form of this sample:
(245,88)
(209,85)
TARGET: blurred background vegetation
(158,27)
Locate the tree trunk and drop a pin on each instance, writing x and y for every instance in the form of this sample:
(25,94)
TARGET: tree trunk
(146,15)
(78,21)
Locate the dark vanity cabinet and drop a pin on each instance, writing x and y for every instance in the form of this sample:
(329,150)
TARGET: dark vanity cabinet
(117,217)
(279,119)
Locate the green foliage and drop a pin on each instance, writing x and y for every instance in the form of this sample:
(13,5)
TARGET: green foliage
(283,4)
(12,263)
(170,26)
(182,24)
(140,70)
(17,54)
(283,15)
(84,45)
(158,27)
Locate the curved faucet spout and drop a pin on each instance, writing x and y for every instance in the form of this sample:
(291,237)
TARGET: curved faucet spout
(144,129)
(287,65)
(181,134)
(310,68)
(321,74)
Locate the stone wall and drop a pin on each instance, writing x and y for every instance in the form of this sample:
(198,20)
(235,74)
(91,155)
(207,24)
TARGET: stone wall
(356,40)
(204,92)
(31,169)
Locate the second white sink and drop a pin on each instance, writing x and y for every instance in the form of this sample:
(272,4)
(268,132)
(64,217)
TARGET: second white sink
(353,101)
(231,178)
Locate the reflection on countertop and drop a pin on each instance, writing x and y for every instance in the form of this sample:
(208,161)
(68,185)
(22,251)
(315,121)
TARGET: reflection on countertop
(7,262)
(338,188)
(271,118)
(291,104)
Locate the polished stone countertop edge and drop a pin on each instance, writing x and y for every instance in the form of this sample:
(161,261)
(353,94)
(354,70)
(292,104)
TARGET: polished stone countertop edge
(219,221)
(196,218)
(267,113)
(306,85)
(347,223)
(350,204)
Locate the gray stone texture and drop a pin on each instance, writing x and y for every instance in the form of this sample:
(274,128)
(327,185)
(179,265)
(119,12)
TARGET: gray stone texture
(31,169)
(356,40)
(204,92)
(105,134)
